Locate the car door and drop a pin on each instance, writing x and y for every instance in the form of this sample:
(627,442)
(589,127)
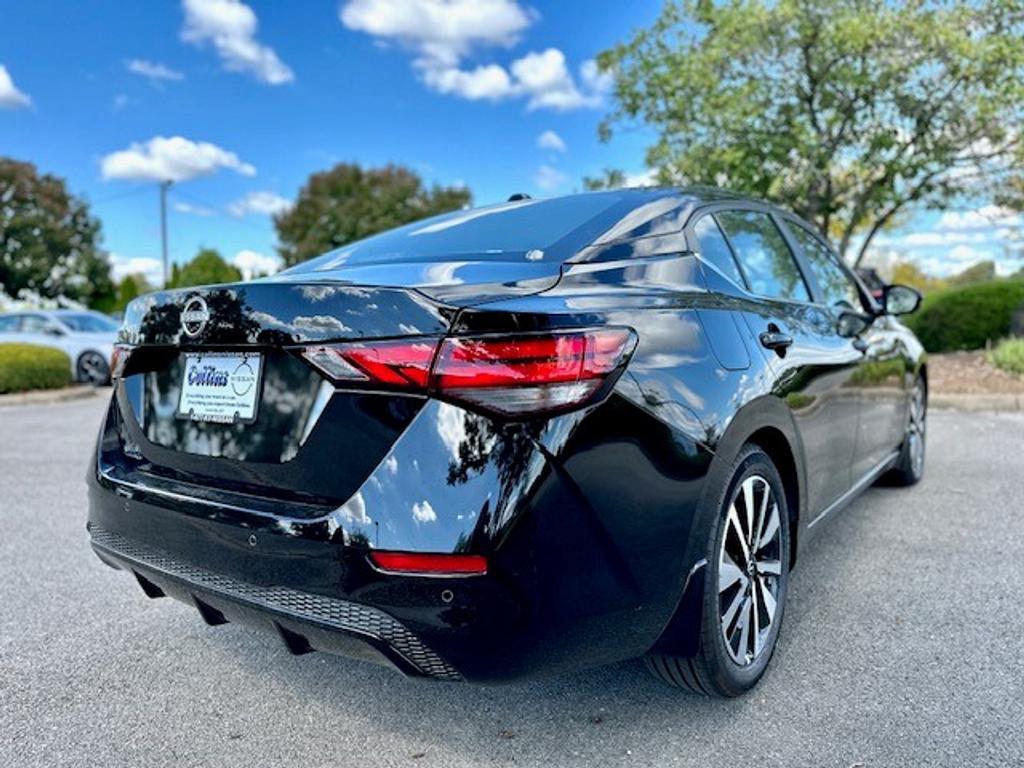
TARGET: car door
(796,334)
(879,383)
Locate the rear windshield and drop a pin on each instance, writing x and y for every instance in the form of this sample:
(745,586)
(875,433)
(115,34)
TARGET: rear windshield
(88,323)
(489,232)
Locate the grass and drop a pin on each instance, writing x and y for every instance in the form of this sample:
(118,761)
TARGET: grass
(1008,354)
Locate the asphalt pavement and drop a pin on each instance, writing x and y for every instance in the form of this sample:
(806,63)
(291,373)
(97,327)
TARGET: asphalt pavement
(903,645)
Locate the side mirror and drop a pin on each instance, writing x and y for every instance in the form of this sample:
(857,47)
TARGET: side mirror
(852,324)
(900,300)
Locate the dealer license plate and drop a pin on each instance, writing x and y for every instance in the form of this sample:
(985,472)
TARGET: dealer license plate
(220,387)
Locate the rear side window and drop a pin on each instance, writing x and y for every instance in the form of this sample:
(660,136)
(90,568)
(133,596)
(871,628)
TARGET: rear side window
(34,324)
(767,261)
(9,324)
(837,286)
(715,250)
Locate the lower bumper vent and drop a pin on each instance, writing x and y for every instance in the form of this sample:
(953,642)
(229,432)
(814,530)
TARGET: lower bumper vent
(326,611)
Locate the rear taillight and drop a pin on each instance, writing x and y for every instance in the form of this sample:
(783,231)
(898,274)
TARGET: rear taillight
(510,375)
(119,360)
(429,564)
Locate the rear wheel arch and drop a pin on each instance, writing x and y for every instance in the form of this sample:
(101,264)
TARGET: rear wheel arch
(774,442)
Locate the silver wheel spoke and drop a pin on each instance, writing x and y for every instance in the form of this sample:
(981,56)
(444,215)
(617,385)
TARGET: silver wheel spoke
(748,502)
(769,567)
(730,613)
(734,521)
(755,618)
(770,529)
(729,574)
(744,629)
(769,601)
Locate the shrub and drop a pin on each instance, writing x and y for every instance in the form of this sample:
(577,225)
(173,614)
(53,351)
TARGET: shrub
(1008,355)
(27,366)
(969,317)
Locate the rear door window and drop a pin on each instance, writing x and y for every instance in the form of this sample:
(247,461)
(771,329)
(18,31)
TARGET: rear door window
(9,323)
(838,287)
(715,250)
(764,256)
(34,324)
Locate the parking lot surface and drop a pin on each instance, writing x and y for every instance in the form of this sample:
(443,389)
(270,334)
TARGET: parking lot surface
(903,645)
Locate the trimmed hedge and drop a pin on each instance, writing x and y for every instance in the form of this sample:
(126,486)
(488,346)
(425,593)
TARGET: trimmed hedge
(27,366)
(969,317)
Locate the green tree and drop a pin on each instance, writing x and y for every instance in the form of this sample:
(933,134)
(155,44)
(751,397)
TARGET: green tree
(850,112)
(349,203)
(982,272)
(206,268)
(49,242)
(610,178)
(131,287)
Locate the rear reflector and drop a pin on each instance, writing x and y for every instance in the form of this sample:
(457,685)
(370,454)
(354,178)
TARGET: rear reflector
(509,375)
(417,563)
(118,360)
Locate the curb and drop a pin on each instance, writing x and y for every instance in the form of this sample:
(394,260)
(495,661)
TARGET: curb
(48,396)
(1001,403)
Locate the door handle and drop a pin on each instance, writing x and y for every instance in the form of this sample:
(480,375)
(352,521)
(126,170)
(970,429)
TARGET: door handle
(860,345)
(776,340)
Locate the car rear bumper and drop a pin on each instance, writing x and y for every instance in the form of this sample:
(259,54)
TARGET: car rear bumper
(304,621)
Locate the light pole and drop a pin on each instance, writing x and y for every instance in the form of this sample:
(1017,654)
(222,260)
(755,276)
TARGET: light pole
(164,186)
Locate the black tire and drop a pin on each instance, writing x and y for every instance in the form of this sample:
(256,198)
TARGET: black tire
(909,467)
(726,670)
(92,368)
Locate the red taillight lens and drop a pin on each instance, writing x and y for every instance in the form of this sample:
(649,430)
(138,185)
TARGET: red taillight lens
(119,360)
(424,564)
(401,364)
(510,375)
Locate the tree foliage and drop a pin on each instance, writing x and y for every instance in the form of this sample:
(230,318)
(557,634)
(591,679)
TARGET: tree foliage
(349,202)
(847,111)
(208,267)
(49,242)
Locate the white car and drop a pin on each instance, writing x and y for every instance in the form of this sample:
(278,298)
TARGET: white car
(87,338)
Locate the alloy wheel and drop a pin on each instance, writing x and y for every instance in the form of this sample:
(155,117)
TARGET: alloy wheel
(92,369)
(750,570)
(916,429)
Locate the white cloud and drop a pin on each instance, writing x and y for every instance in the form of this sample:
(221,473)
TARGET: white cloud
(985,216)
(170,159)
(262,203)
(551,140)
(442,33)
(120,102)
(648,178)
(391,464)
(151,269)
(549,178)
(230,26)
(934,239)
(422,512)
(192,210)
(489,82)
(153,71)
(253,263)
(10,96)
(965,254)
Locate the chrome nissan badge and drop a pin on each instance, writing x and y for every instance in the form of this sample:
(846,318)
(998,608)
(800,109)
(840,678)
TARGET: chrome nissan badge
(194,316)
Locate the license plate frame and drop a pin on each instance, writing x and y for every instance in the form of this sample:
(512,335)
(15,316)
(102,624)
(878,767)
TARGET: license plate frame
(220,387)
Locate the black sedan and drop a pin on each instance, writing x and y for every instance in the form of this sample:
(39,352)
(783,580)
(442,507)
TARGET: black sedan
(504,441)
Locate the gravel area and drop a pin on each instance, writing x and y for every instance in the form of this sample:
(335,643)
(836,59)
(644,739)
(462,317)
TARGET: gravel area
(902,646)
(969,373)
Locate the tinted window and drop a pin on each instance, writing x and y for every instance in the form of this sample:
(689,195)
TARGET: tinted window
(86,322)
(766,259)
(488,232)
(715,250)
(34,324)
(8,323)
(838,288)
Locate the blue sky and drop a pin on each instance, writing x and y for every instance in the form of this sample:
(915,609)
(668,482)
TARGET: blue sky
(241,102)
